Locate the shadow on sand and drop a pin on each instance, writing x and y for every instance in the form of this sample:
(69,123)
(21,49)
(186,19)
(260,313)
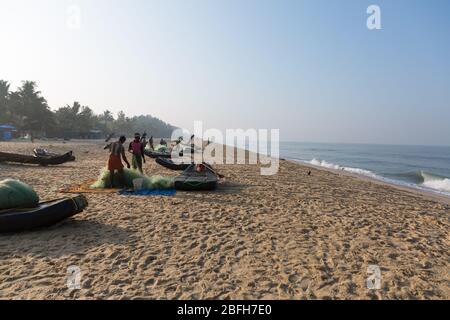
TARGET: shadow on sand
(225,188)
(34,166)
(231,187)
(64,239)
(222,188)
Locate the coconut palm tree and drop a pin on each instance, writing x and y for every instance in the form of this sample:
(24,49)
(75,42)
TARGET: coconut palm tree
(4,97)
(31,109)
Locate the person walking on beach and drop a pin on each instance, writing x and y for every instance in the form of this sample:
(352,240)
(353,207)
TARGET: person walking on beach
(144,139)
(115,161)
(150,142)
(137,149)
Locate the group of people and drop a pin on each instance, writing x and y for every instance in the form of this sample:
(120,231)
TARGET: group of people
(117,154)
(137,150)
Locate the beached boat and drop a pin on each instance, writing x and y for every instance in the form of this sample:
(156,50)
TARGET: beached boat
(169,164)
(44,153)
(43,161)
(157,154)
(193,180)
(45,215)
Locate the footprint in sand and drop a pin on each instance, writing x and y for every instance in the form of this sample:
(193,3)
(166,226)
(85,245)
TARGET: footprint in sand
(293,278)
(239,253)
(304,284)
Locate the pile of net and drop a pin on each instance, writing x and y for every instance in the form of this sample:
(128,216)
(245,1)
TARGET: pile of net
(162,148)
(15,194)
(149,183)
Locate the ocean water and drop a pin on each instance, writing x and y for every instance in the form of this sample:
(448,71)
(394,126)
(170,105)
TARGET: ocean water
(422,167)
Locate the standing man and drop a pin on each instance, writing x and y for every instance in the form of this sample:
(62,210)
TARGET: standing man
(115,161)
(137,149)
(144,139)
(151,143)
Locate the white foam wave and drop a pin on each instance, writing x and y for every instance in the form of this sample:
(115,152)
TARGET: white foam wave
(431,183)
(325,164)
(436,182)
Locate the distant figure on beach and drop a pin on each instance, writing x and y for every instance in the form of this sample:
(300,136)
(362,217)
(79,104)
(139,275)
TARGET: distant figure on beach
(115,160)
(150,142)
(136,148)
(309,173)
(163,142)
(144,139)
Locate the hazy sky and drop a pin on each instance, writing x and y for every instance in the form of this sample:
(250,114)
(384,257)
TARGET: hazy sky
(309,68)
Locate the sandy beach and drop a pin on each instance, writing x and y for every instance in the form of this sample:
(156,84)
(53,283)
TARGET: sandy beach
(288,236)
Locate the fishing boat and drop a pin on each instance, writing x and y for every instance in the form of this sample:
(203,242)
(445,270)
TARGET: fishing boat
(30,159)
(197,178)
(171,165)
(45,214)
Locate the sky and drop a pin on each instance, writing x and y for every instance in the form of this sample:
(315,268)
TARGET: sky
(310,68)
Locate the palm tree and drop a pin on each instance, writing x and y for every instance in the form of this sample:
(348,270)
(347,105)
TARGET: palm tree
(122,124)
(28,110)
(31,109)
(67,118)
(75,121)
(4,97)
(106,120)
(4,102)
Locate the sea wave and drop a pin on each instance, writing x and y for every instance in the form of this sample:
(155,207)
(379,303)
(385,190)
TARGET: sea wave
(420,179)
(435,182)
(426,180)
(325,164)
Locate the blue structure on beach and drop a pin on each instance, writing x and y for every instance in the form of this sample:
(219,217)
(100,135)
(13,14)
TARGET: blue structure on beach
(6,132)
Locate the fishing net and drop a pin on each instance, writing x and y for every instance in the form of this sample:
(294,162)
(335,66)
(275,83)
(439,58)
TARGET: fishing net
(161,148)
(149,183)
(16,194)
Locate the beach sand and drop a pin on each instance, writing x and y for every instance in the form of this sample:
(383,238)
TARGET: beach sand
(288,236)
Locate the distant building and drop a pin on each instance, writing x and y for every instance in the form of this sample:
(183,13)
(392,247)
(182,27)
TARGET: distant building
(7,132)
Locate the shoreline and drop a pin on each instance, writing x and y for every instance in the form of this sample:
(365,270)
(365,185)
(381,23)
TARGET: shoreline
(427,194)
(424,193)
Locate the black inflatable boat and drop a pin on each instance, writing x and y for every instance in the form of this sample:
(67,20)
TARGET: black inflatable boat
(169,164)
(193,180)
(155,154)
(45,215)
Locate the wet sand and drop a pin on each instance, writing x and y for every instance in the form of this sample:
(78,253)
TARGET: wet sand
(288,236)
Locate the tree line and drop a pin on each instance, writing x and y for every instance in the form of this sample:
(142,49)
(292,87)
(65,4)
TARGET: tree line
(30,113)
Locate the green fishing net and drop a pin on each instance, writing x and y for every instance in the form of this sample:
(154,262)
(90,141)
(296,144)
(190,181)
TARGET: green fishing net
(16,194)
(161,148)
(149,183)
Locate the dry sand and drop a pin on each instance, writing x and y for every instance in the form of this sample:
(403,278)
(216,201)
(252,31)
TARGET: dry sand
(289,236)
